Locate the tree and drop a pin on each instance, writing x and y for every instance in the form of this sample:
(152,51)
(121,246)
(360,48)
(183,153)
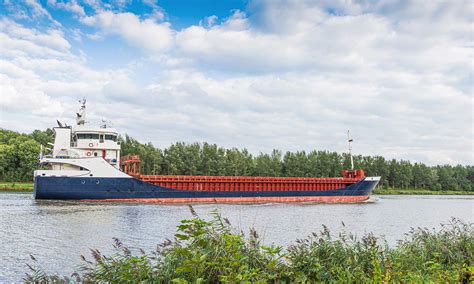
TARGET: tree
(422,176)
(446,178)
(381,169)
(212,161)
(268,165)
(394,173)
(174,159)
(295,164)
(19,157)
(460,175)
(43,137)
(405,174)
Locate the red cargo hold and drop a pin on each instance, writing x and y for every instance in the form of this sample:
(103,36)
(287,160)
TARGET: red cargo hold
(131,165)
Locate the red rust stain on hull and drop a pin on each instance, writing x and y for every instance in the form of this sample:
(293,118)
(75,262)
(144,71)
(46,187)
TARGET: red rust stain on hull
(324,199)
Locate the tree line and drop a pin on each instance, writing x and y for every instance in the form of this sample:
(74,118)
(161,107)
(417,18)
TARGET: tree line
(19,157)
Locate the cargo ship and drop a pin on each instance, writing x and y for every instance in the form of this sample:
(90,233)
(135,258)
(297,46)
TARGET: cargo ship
(85,164)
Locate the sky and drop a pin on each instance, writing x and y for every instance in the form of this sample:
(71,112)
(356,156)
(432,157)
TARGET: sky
(256,74)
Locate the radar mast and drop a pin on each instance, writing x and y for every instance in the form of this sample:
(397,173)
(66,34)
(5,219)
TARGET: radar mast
(81,115)
(349,142)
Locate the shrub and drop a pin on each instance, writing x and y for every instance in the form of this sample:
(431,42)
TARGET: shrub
(211,251)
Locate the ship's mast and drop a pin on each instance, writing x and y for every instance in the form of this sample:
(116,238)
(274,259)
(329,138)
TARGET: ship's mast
(349,142)
(81,115)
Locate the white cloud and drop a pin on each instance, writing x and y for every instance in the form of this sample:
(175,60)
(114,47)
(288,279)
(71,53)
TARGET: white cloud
(158,14)
(208,21)
(122,88)
(144,34)
(294,112)
(289,75)
(38,11)
(71,6)
(77,34)
(94,4)
(236,44)
(300,36)
(38,72)
(30,40)
(18,96)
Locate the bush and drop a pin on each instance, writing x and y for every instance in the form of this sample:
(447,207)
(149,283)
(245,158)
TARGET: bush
(211,252)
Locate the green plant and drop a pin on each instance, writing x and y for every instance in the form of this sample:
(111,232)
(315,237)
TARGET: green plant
(210,251)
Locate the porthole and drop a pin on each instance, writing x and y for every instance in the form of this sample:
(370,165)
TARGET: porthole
(83,182)
(97,182)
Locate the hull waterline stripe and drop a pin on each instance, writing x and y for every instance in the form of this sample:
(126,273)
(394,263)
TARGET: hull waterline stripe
(286,199)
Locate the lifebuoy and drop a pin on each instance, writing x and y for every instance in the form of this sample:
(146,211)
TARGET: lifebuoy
(88,154)
(91,145)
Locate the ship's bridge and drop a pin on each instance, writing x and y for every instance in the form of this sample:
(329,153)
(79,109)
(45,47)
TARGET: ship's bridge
(102,142)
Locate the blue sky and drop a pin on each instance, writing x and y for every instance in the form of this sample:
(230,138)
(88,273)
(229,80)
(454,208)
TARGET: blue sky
(259,74)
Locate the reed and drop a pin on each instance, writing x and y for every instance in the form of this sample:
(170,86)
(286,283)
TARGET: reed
(211,251)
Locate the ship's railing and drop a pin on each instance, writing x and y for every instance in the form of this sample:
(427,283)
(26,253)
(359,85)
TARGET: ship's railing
(130,164)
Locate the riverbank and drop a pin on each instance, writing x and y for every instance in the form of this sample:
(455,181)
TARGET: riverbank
(413,191)
(16,186)
(28,187)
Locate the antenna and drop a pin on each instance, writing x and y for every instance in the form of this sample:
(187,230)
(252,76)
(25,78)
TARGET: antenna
(349,141)
(104,124)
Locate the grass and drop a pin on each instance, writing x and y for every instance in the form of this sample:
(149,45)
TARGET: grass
(211,251)
(414,191)
(16,186)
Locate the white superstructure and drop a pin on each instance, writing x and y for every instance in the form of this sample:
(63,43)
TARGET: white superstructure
(83,150)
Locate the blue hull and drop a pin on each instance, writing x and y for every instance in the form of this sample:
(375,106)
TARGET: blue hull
(75,188)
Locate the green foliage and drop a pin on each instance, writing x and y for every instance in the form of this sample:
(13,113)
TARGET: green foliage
(268,165)
(212,252)
(152,158)
(19,152)
(209,159)
(443,256)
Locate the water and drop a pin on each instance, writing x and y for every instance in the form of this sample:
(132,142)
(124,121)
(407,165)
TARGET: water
(58,232)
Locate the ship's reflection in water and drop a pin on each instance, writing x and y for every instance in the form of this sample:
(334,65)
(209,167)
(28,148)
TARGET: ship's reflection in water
(58,232)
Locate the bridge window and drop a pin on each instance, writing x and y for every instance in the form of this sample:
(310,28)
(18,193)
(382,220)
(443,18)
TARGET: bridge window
(87,136)
(111,137)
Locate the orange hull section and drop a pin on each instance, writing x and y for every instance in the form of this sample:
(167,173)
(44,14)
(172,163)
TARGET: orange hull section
(286,199)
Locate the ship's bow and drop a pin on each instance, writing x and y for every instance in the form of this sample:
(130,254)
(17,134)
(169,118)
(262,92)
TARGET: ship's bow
(367,185)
